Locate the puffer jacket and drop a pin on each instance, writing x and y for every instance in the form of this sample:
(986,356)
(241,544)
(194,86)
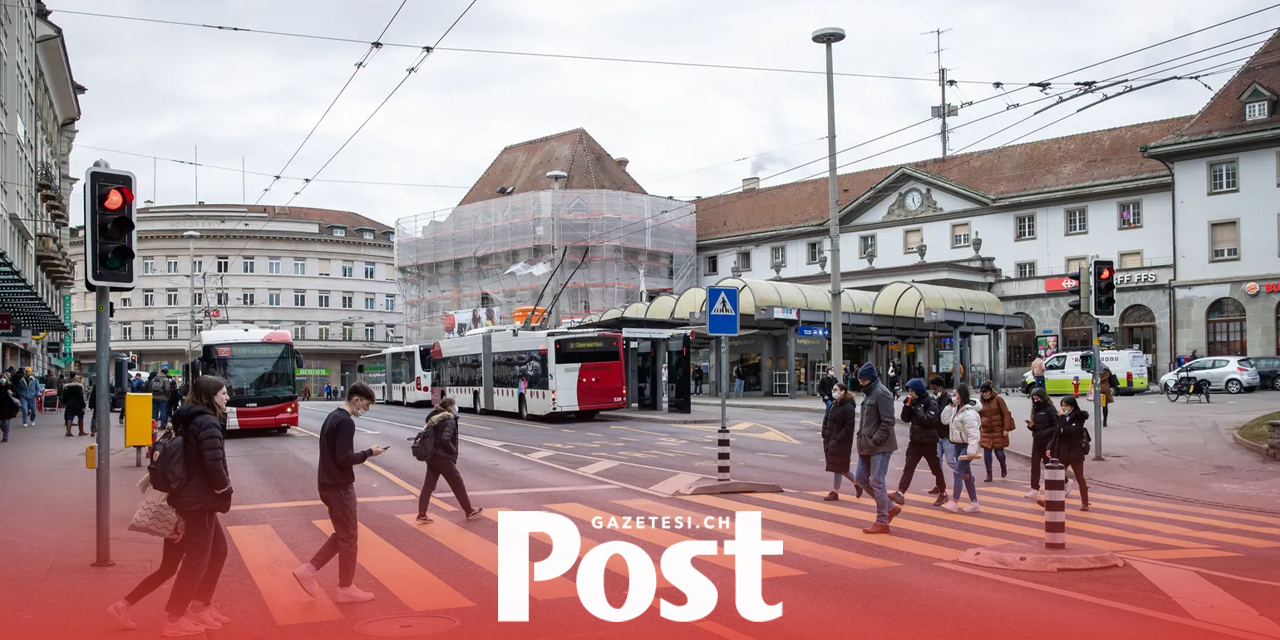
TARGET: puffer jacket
(445,445)
(838,426)
(997,422)
(206,460)
(1044,423)
(966,424)
(1067,442)
(921,412)
(73,398)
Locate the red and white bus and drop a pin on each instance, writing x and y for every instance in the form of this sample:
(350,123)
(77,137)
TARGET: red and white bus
(259,366)
(531,373)
(398,375)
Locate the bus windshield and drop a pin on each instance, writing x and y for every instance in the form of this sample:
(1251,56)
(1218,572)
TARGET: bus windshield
(254,370)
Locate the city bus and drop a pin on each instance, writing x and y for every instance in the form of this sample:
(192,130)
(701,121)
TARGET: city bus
(531,373)
(372,370)
(259,366)
(399,375)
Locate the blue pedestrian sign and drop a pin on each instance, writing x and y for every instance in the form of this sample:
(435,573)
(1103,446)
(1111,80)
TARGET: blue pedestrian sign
(722,311)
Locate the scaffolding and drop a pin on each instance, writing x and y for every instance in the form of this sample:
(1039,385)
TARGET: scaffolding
(473,265)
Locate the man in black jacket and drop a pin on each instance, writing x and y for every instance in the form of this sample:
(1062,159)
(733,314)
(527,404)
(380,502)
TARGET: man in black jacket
(336,478)
(921,411)
(825,386)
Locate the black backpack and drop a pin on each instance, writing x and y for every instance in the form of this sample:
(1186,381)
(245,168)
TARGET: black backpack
(168,467)
(424,444)
(1086,442)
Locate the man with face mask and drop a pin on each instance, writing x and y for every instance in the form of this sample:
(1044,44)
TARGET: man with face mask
(876,443)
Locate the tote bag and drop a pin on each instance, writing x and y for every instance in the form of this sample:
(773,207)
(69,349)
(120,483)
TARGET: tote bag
(154,515)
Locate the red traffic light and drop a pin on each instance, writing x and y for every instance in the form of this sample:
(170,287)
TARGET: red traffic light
(115,197)
(1106,273)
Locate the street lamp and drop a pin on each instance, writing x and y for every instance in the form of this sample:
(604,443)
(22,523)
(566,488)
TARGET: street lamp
(827,37)
(191,262)
(556,178)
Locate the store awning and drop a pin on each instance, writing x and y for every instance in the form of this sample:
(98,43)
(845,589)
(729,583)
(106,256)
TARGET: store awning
(912,300)
(20,301)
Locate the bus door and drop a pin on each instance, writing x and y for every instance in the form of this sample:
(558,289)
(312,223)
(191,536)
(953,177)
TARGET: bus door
(648,375)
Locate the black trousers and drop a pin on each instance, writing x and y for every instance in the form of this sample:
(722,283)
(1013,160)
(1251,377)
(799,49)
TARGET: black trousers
(437,467)
(206,553)
(1037,461)
(341,501)
(916,451)
(170,559)
(1077,468)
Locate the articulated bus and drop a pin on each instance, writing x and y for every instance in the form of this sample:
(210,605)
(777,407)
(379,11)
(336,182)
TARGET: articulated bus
(258,366)
(532,373)
(398,375)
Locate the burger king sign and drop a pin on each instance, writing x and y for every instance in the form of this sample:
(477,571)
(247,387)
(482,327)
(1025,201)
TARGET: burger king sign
(1252,288)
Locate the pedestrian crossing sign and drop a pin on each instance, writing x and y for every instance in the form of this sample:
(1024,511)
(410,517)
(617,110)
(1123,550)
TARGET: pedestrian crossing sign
(722,311)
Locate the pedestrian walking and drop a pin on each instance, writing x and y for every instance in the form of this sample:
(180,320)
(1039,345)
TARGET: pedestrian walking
(838,428)
(937,388)
(997,422)
(826,385)
(29,390)
(171,555)
(697,380)
(73,402)
(1037,371)
(739,381)
(336,478)
(1070,444)
(9,406)
(328,392)
(442,461)
(1043,424)
(965,435)
(206,493)
(306,392)
(160,391)
(894,367)
(175,400)
(1108,383)
(876,444)
(920,411)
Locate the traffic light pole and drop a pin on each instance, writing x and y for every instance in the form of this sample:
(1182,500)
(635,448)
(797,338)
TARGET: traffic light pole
(1097,391)
(102,422)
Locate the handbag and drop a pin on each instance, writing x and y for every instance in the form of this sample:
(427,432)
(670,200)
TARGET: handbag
(154,515)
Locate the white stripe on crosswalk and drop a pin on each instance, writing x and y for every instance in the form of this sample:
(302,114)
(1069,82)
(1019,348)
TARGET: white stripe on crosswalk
(597,467)
(538,455)
(1205,600)
(675,483)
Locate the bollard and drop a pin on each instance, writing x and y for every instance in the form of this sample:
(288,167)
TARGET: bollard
(1055,505)
(723,454)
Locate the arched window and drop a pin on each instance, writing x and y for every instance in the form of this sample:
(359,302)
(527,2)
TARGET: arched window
(1138,330)
(1021,347)
(1077,331)
(1225,325)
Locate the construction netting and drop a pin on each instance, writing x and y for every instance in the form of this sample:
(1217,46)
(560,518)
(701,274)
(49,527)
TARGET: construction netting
(473,265)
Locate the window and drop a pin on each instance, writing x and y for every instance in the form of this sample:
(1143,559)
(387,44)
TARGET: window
(367,235)
(323,332)
(171,265)
(1130,215)
(273,265)
(197,299)
(126,301)
(299,298)
(126,331)
(1130,260)
(148,298)
(778,256)
(197,265)
(1225,321)
(713,265)
(273,298)
(247,265)
(299,266)
(369,302)
(1077,220)
(148,266)
(1077,331)
(866,245)
(1223,177)
(224,264)
(247,298)
(391,333)
(912,238)
(348,331)
(1224,239)
(1080,264)
(299,332)
(368,270)
(223,299)
(391,302)
(813,251)
(322,300)
(960,234)
(348,301)
(1026,269)
(368,333)
(744,260)
(1020,344)
(171,329)
(88,333)
(1256,110)
(337,231)
(1025,227)
(148,331)
(348,271)
(171,297)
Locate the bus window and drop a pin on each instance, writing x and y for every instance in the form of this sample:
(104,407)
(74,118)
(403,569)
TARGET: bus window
(587,349)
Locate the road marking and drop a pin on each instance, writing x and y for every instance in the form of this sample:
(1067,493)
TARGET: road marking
(415,428)
(628,439)
(1209,573)
(1103,602)
(675,483)
(1205,600)
(538,455)
(948,533)
(596,467)
(1195,509)
(798,546)
(418,588)
(576,471)
(665,538)
(484,554)
(313,503)
(1217,523)
(824,526)
(367,431)
(271,564)
(771,455)
(740,429)
(652,433)
(511,422)
(1175,554)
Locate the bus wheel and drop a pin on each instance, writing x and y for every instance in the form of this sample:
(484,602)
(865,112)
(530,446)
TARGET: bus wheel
(524,409)
(588,415)
(282,430)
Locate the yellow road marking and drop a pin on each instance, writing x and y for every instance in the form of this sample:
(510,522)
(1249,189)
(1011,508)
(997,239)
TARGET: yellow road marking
(415,586)
(313,503)
(949,533)
(1194,509)
(271,565)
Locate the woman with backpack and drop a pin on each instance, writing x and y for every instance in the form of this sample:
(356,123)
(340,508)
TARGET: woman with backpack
(442,460)
(1070,444)
(170,560)
(997,422)
(198,501)
(837,439)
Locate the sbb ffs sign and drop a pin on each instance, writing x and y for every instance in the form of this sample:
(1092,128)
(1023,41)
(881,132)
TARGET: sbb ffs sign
(515,528)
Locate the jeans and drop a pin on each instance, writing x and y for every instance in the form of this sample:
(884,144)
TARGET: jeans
(341,502)
(170,559)
(4,427)
(436,468)
(697,387)
(1037,460)
(916,451)
(870,476)
(738,387)
(947,452)
(964,475)
(160,411)
(836,485)
(1040,382)
(986,460)
(28,409)
(206,547)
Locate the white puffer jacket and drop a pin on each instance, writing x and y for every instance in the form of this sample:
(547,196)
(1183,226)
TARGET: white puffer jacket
(966,424)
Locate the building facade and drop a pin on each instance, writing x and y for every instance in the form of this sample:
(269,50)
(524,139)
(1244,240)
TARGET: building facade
(39,106)
(326,276)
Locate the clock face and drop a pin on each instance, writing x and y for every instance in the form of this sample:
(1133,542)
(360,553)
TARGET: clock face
(913,200)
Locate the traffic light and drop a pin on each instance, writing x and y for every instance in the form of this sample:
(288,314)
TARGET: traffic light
(110,228)
(133,362)
(1080,289)
(1104,288)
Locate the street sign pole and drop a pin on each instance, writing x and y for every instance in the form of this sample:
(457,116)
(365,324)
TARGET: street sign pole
(722,321)
(722,448)
(1097,392)
(102,422)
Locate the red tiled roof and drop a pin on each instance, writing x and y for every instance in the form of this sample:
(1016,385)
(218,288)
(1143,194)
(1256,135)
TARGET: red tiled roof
(1224,114)
(1095,157)
(348,219)
(523,167)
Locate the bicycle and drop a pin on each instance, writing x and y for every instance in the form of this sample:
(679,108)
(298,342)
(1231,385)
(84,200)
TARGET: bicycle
(1190,387)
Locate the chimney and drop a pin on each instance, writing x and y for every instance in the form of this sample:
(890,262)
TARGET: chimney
(622,162)
(749,184)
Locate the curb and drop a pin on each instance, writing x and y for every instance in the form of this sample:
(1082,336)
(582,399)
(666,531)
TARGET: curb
(662,417)
(1252,446)
(766,406)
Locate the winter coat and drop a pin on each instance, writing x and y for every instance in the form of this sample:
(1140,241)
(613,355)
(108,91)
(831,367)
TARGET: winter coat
(1044,422)
(922,414)
(996,423)
(825,386)
(1105,385)
(73,398)
(875,429)
(8,403)
(965,423)
(445,445)
(1067,442)
(206,460)
(837,434)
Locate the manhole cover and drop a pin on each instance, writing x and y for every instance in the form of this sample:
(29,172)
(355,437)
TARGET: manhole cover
(406,626)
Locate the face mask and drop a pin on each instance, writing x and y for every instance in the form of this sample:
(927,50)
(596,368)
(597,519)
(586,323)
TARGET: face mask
(357,412)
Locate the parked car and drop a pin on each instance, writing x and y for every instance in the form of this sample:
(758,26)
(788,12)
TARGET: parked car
(1268,371)
(1232,374)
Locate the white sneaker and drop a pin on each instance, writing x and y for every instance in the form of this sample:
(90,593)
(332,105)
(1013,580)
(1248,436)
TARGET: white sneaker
(1068,493)
(1034,493)
(119,612)
(972,507)
(347,595)
(203,619)
(216,614)
(306,577)
(182,628)
(952,506)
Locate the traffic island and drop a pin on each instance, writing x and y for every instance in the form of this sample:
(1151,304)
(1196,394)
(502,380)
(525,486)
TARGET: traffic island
(712,487)
(1024,556)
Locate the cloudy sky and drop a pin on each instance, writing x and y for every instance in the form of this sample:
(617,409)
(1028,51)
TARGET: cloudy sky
(165,90)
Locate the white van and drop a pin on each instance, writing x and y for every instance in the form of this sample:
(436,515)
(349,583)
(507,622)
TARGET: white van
(1062,370)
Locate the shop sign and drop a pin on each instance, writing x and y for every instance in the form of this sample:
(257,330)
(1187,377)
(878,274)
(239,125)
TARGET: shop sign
(786,313)
(1140,277)
(811,342)
(813,332)
(1254,288)
(649,333)
(1061,283)
(313,372)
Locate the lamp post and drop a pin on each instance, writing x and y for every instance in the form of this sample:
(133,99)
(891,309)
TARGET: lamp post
(191,263)
(828,36)
(556,178)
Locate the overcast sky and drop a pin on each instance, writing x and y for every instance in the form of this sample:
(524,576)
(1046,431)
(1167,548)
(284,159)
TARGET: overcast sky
(164,90)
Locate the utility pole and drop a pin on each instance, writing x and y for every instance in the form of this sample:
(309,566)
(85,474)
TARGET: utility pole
(827,37)
(556,178)
(191,263)
(944,110)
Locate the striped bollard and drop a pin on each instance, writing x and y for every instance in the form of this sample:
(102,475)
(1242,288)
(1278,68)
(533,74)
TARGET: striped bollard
(723,454)
(1055,505)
